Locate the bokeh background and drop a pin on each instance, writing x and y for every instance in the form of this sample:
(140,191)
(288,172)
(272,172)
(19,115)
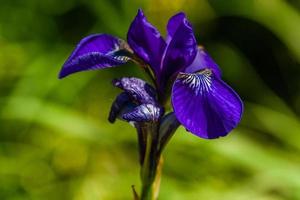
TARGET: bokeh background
(56,143)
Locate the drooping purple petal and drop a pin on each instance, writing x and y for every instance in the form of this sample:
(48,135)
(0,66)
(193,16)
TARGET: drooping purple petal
(138,90)
(181,49)
(96,52)
(203,61)
(205,105)
(121,105)
(144,113)
(146,41)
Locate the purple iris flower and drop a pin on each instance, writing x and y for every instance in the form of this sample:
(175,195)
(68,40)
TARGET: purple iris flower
(204,104)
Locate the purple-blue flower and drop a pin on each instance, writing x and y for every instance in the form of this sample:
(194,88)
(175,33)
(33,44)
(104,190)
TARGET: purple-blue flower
(203,103)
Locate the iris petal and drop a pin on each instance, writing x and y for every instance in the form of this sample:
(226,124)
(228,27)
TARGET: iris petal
(121,105)
(205,105)
(173,25)
(96,52)
(202,61)
(144,113)
(182,47)
(138,90)
(146,41)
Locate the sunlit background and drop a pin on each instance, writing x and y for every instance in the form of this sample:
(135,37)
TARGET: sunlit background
(56,142)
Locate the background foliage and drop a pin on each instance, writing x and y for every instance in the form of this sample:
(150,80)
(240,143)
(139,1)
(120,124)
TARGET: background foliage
(56,143)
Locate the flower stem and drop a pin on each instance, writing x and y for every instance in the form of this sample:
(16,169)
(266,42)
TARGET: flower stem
(151,167)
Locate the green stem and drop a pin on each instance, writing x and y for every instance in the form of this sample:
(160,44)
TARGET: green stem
(151,167)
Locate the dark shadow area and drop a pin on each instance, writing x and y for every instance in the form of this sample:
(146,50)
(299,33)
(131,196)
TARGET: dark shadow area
(270,58)
(75,23)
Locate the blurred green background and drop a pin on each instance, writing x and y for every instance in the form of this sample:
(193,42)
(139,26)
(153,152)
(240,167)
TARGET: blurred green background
(56,142)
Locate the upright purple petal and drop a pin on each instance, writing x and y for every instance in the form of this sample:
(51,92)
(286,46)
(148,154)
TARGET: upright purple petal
(205,105)
(96,52)
(181,49)
(203,61)
(146,41)
(140,91)
(173,25)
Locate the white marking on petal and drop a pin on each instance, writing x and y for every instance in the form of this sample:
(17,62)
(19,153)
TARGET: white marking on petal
(121,58)
(199,82)
(121,45)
